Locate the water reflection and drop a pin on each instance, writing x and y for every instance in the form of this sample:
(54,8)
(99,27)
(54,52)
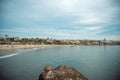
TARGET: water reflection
(95,62)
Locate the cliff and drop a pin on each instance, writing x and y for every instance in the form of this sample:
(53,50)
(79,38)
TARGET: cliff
(61,73)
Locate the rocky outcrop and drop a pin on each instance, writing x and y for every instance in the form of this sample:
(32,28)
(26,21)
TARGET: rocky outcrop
(61,73)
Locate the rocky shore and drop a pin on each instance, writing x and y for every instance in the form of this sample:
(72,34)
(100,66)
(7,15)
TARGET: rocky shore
(61,73)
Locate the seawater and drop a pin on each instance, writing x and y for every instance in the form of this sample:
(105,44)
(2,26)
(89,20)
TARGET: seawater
(95,62)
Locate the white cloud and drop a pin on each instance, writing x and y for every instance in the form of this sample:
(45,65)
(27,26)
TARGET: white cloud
(85,11)
(89,15)
(113,37)
(88,20)
(85,33)
(94,28)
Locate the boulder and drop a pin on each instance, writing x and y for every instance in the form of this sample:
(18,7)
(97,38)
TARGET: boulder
(61,73)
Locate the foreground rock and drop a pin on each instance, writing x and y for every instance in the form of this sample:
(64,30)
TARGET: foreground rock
(61,73)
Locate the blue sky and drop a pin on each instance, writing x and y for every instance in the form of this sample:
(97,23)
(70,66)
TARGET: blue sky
(61,19)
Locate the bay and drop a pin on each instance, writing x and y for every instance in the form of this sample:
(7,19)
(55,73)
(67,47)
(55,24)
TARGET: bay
(95,62)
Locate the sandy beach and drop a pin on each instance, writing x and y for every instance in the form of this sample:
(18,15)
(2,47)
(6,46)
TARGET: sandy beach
(9,47)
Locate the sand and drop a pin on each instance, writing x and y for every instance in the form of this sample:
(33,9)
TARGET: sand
(9,47)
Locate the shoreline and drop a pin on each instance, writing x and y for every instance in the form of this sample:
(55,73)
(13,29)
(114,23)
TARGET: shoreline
(13,47)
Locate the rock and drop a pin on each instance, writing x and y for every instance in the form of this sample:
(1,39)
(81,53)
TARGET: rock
(61,73)
(47,68)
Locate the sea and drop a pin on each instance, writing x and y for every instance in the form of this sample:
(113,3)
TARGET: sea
(94,62)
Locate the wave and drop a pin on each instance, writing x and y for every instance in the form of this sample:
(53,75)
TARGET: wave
(29,49)
(14,54)
(7,56)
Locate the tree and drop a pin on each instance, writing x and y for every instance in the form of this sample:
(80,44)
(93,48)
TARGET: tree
(6,35)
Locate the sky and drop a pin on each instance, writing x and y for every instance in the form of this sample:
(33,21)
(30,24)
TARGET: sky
(60,19)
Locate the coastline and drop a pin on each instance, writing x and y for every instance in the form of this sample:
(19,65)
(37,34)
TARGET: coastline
(12,47)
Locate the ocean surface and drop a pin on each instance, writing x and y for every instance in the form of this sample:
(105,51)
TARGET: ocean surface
(95,62)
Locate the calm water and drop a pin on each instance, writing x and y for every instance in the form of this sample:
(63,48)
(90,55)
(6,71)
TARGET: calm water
(95,62)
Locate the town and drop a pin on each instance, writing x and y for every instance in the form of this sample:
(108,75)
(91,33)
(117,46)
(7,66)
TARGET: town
(50,41)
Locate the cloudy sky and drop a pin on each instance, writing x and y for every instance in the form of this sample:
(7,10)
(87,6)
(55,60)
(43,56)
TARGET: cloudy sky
(61,19)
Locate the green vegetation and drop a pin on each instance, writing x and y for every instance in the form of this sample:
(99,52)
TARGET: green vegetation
(50,41)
